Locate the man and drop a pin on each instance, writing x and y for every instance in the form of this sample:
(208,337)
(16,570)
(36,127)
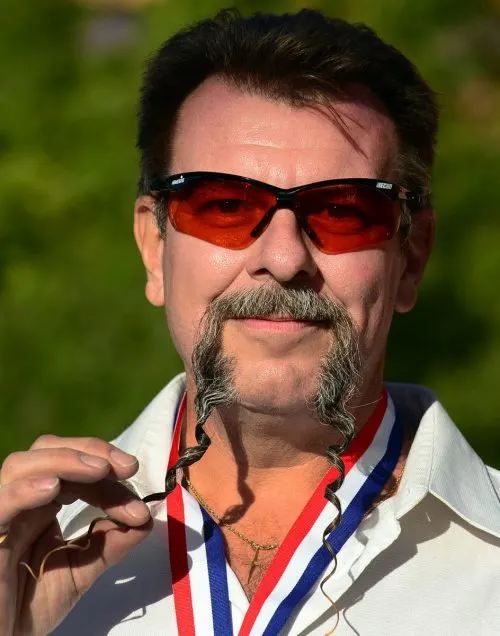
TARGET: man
(283,216)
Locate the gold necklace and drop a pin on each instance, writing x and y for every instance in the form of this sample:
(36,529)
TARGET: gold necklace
(256,547)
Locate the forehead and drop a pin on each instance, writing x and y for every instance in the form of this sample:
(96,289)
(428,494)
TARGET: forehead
(223,129)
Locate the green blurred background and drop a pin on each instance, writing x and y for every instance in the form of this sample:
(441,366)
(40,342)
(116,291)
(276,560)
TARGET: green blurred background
(81,351)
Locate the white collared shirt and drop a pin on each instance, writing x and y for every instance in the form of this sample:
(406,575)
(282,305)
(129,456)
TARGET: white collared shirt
(426,561)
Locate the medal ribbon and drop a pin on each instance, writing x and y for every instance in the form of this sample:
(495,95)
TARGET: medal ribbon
(198,564)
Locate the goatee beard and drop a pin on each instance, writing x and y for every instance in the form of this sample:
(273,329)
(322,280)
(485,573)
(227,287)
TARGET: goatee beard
(338,375)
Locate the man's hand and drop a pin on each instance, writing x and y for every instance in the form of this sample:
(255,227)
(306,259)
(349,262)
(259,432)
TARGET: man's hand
(34,485)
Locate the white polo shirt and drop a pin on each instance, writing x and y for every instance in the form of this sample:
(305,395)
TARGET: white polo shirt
(426,561)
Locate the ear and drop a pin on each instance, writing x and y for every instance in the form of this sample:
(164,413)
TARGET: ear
(415,256)
(150,244)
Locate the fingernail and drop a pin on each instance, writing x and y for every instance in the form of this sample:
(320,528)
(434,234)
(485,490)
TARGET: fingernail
(46,483)
(92,460)
(137,509)
(122,459)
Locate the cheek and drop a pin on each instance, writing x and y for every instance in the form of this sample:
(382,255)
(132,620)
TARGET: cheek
(366,283)
(195,272)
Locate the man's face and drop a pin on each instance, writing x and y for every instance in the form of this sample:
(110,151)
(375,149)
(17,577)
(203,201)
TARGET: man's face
(276,363)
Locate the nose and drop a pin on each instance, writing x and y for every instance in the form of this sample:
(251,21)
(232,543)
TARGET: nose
(281,252)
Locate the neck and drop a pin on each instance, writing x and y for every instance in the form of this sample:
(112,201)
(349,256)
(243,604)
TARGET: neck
(252,451)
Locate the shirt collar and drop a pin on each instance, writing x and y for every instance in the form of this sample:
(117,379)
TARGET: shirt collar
(441,462)
(150,437)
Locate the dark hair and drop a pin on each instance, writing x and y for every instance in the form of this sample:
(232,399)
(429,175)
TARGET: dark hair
(304,58)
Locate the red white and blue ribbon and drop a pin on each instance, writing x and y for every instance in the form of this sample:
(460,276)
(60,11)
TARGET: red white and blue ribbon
(197,559)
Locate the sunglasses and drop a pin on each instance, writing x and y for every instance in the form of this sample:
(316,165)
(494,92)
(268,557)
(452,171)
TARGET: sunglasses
(339,215)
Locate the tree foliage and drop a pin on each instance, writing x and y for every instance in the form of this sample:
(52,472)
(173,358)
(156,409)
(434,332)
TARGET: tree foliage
(81,351)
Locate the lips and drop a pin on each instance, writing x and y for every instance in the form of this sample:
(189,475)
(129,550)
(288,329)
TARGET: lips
(278,324)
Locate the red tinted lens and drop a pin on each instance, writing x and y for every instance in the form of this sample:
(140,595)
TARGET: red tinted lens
(345,218)
(222,212)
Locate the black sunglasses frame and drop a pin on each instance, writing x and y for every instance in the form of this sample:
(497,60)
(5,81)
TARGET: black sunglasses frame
(285,197)
(177,182)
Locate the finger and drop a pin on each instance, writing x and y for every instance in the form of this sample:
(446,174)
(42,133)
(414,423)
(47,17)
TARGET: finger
(25,528)
(45,462)
(64,463)
(26,494)
(123,465)
(114,498)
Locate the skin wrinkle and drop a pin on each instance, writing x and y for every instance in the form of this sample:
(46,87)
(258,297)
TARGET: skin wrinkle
(341,118)
(269,132)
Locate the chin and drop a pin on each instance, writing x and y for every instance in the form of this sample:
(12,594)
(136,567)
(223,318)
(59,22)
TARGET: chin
(276,387)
